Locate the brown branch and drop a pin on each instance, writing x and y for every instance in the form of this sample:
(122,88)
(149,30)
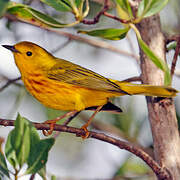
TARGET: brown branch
(116,18)
(103,12)
(32,177)
(113,130)
(66,122)
(136,78)
(110,129)
(161,172)
(177,51)
(61,46)
(97,17)
(162,114)
(9,82)
(95,43)
(172,38)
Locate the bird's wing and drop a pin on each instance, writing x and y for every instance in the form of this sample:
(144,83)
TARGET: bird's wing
(68,72)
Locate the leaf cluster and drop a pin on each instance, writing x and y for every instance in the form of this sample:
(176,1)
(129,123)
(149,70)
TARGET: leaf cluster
(24,146)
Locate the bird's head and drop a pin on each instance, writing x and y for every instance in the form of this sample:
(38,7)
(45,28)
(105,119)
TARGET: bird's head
(29,56)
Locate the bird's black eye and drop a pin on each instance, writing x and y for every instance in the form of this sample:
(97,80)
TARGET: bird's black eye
(29,53)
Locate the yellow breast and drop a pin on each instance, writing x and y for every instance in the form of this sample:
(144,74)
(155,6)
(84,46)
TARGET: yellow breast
(63,96)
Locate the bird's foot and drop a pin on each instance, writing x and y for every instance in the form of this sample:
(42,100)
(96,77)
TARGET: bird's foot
(87,133)
(51,129)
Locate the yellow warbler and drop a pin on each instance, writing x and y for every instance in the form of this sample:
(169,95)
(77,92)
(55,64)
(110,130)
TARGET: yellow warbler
(62,85)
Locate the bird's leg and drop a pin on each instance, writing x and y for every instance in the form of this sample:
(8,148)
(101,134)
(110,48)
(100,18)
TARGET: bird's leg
(85,126)
(54,121)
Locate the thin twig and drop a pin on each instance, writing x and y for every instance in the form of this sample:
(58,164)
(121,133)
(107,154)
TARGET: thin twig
(116,18)
(95,43)
(177,72)
(103,12)
(32,177)
(161,172)
(97,17)
(172,38)
(9,82)
(61,46)
(136,78)
(177,51)
(110,129)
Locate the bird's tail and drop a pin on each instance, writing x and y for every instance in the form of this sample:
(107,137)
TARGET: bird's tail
(147,90)
(109,107)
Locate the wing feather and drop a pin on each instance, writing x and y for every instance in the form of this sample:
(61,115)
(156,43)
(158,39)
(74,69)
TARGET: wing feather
(68,72)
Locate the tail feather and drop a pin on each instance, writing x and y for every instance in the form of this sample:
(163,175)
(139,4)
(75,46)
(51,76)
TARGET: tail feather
(147,90)
(107,107)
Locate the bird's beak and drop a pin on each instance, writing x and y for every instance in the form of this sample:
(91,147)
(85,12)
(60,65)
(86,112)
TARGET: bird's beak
(11,48)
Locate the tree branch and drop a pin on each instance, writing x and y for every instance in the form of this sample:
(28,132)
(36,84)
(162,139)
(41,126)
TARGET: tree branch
(115,131)
(161,172)
(97,17)
(103,12)
(66,122)
(116,18)
(61,46)
(172,38)
(9,82)
(162,114)
(177,51)
(95,43)
(136,78)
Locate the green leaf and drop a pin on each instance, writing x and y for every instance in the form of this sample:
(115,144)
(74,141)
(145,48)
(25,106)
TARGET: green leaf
(78,2)
(32,16)
(150,7)
(3,165)
(3,6)
(42,172)
(34,136)
(38,155)
(24,149)
(59,5)
(111,34)
(19,130)
(124,4)
(18,144)
(21,139)
(157,61)
(35,139)
(10,151)
(172,46)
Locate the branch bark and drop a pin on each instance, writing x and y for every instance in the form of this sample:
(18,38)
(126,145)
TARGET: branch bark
(162,114)
(161,172)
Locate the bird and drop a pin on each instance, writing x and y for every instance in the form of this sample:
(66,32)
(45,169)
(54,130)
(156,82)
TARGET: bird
(63,85)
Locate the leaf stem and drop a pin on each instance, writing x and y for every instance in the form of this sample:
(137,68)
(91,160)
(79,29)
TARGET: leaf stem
(135,30)
(87,9)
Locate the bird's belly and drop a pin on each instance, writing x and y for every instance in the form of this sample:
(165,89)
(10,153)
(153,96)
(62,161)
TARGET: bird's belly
(63,96)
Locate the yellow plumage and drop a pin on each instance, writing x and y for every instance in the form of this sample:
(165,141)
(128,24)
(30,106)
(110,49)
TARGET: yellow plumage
(62,85)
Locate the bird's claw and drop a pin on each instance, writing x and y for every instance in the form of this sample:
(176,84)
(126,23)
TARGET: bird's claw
(51,129)
(87,133)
